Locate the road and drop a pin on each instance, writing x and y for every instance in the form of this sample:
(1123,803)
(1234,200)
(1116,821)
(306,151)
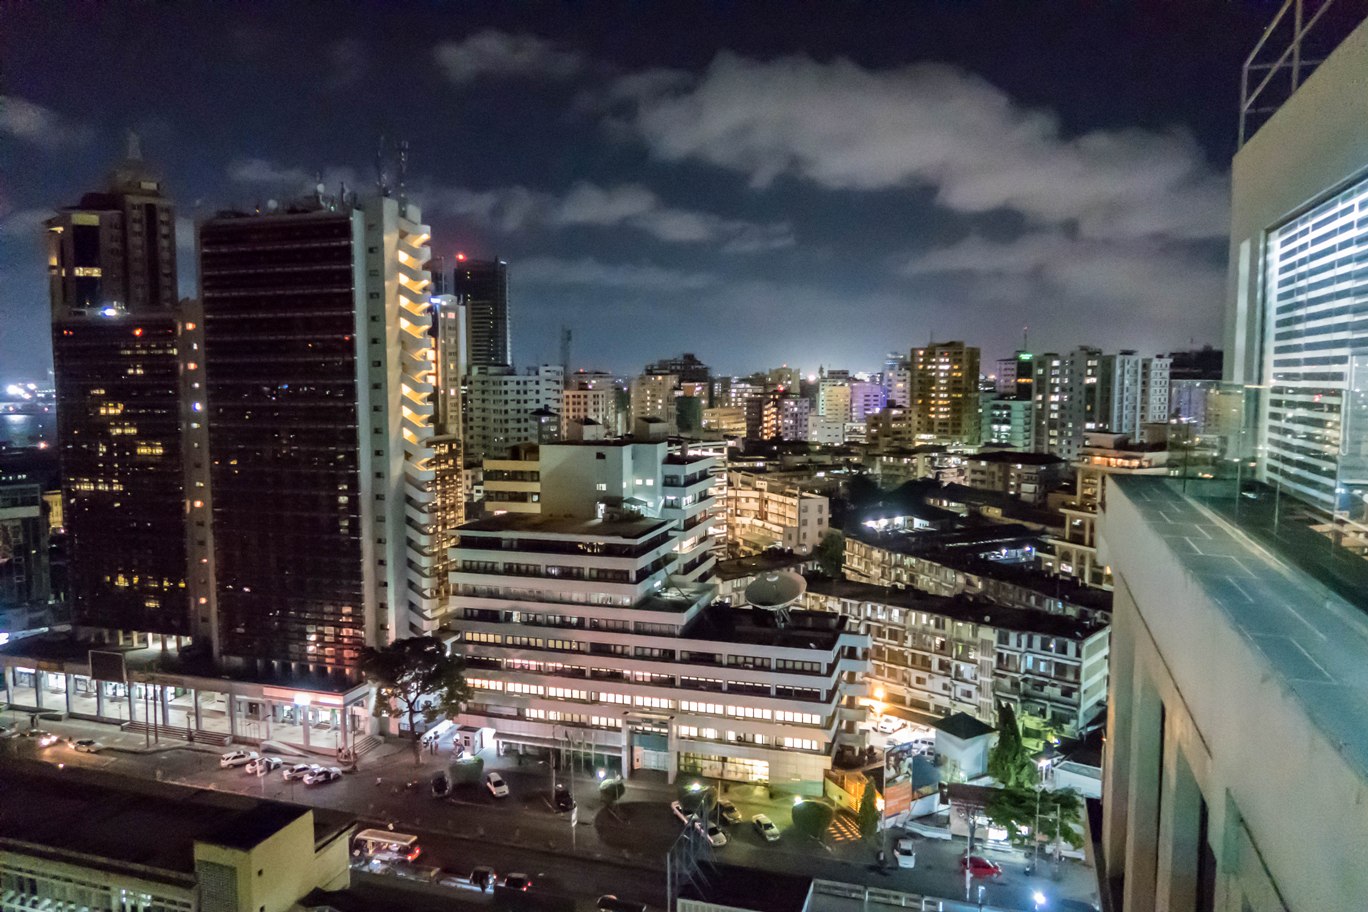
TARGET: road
(619,850)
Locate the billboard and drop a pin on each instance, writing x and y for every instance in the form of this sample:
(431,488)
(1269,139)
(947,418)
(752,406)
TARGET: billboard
(897,790)
(108,666)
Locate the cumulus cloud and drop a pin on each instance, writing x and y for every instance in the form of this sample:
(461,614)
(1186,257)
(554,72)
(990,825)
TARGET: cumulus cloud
(639,277)
(43,127)
(842,126)
(1079,274)
(500,54)
(511,209)
(274,176)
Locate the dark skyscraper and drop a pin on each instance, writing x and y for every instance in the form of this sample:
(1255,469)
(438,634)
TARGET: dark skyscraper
(483,285)
(118,373)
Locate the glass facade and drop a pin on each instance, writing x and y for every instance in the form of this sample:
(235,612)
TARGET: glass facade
(1315,427)
(281,378)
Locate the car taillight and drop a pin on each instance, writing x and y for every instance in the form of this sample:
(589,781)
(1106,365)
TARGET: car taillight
(415,853)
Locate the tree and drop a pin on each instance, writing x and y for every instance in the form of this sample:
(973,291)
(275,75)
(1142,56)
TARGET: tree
(610,792)
(868,814)
(830,554)
(466,771)
(698,798)
(811,817)
(1014,809)
(417,677)
(1009,762)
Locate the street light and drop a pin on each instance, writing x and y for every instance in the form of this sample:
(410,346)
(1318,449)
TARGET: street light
(1039,899)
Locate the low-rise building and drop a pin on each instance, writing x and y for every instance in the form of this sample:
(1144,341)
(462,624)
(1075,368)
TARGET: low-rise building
(1027,476)
(996,562)
(513,484)
(942,655)
(765,512)
(77,839)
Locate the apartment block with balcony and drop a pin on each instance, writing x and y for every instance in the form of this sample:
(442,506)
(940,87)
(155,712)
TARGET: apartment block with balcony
(578,634)
(936,656)
(1074,553)
(996,562)
(764,513)
(513,484)
(1025,476)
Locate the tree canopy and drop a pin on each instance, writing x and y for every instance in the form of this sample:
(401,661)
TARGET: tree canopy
(812,817)
(1014,809)
(417,677)
(1009,762)
(830,554)
(868,813)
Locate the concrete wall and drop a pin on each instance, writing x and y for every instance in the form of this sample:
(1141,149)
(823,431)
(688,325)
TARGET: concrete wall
(1196,712)
(1315,143)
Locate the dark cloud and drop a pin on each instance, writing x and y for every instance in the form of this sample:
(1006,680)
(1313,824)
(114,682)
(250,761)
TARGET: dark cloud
(501,54)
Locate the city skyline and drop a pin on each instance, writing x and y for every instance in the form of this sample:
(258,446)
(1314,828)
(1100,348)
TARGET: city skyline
(613,215)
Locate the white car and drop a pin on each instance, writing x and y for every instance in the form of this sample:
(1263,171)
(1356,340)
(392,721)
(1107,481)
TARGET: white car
(85,745)
(496,785)
(889,724)
(263,765)
(322,775)
(237,758)
(715,835)
(765,827)
(39,736)
(298,771)
(905,850)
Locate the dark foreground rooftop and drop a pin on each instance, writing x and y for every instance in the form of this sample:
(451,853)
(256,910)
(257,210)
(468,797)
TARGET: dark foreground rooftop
(119,821)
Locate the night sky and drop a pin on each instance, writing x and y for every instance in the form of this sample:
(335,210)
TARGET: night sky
(754,182)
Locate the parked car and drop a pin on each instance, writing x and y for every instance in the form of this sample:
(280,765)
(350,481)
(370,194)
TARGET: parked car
(610,903)
(905,851)
(560,797)
(889,724)
(678,810)
(923,746)
(263,765)
(85,745)
(441,785)
(979,866)
(516,881)
(496,785)
(728,812)
(484,877)
(237,758)
(298,771)
(322,775)
(40,737)
(765,827)
(716,835)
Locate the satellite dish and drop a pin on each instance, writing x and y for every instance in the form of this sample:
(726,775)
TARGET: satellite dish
(776,591)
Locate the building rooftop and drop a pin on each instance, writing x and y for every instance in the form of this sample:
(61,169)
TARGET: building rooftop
(959,608)
(533,524)
(124,821)
(963,726)
(748,888)
(1314,639)
(772,559)
(757,627)
(1013,457)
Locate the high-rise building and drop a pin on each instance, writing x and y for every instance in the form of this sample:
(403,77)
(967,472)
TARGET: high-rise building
(323,399)
(1014,376)
(686,367)
(483,286)
(1007,422)
(451,338)
(896,379)
(866,398)
(944,394)
(1132,391)
(1067,400)
(121,360)
(23,546)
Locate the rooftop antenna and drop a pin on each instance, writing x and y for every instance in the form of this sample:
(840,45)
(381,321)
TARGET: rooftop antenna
(134,142)
(403,172)
(1025,337)
(565,350)
(381,178)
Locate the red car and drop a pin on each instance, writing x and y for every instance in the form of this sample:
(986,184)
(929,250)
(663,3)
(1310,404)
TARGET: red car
(980,866)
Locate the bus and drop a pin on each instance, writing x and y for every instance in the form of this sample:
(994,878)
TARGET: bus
(386,844)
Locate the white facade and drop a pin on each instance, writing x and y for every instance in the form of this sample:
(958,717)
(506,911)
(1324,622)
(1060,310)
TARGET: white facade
(598,404)
(500,405)
(575,633)
(1231,690)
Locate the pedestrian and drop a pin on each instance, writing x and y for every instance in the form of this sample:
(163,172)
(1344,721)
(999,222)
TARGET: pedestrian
(378,781)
